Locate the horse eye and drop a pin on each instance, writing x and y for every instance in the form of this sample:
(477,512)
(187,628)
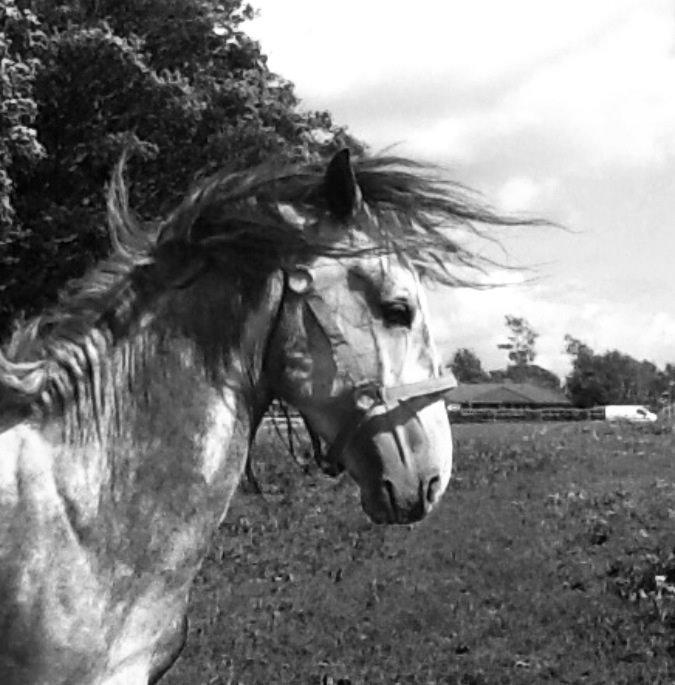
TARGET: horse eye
(397,313)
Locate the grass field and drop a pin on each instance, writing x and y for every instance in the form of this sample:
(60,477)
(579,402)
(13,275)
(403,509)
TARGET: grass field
(550,559)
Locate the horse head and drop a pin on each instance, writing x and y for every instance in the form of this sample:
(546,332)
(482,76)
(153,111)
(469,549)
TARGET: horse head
(353,352)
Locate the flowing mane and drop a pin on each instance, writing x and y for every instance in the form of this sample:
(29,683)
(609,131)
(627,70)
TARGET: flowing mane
(248,225)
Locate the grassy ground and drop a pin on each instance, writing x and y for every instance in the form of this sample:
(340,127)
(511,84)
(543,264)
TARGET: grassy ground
(550,559)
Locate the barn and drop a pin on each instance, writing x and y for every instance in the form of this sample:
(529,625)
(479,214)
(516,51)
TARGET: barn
(506,395)
(508,401)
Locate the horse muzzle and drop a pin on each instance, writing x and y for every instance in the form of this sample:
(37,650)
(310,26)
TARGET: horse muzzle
(396,444)
(401,459)
(389,503)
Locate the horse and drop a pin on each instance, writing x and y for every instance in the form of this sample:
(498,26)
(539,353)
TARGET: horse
(128,409)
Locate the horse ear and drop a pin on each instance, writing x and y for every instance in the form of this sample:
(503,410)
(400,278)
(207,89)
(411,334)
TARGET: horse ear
(342,191)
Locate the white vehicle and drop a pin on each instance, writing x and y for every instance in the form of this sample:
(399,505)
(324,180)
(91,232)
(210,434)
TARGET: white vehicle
(635,413)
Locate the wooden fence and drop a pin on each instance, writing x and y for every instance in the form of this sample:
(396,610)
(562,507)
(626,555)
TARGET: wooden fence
(477,415)
(485,415)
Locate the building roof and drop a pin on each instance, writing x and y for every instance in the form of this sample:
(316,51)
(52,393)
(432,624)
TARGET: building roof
(525,394)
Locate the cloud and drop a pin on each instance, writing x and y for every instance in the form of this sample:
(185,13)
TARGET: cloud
(607,101)
(330,50)
(608,104)
(519,194)
(577,83)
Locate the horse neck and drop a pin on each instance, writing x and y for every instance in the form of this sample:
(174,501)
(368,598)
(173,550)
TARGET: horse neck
(227,343)
(168,429)
(142,489)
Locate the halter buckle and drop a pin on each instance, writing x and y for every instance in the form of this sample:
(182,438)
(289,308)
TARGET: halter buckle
(366,398)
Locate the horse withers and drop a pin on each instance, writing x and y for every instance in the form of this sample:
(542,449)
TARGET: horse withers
(127,412)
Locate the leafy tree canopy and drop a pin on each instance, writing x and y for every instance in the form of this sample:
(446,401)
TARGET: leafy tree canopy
(528,373)
(467,367)
(521,347)
(177,82)
(521,341)
(614,378)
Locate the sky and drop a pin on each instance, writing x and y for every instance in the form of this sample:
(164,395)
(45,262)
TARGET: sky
(563,109)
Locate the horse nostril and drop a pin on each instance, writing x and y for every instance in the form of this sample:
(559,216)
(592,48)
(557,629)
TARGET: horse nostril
(433,489)
(390,496)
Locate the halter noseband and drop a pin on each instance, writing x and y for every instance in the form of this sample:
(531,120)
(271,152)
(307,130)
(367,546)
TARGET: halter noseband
(367,395)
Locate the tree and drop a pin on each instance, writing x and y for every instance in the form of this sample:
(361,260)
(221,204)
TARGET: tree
(532,373)
(467,367)
(521,354)
(175,82)
(521,341)
(575,347)
(612,377)
(20,151)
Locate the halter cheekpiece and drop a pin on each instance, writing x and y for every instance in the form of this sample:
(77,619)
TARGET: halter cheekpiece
(368,394)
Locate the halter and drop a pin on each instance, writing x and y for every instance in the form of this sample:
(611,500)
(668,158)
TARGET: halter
(367,395)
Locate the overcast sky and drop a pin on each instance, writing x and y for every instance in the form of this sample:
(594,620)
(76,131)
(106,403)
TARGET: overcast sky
(560,108)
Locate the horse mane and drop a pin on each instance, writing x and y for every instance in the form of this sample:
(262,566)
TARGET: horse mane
(412,209)
(247,224)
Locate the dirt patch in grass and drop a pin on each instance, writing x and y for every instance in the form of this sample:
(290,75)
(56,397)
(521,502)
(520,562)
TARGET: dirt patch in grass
(550,559)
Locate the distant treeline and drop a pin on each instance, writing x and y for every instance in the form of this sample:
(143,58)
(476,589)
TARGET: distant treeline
(596,379)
